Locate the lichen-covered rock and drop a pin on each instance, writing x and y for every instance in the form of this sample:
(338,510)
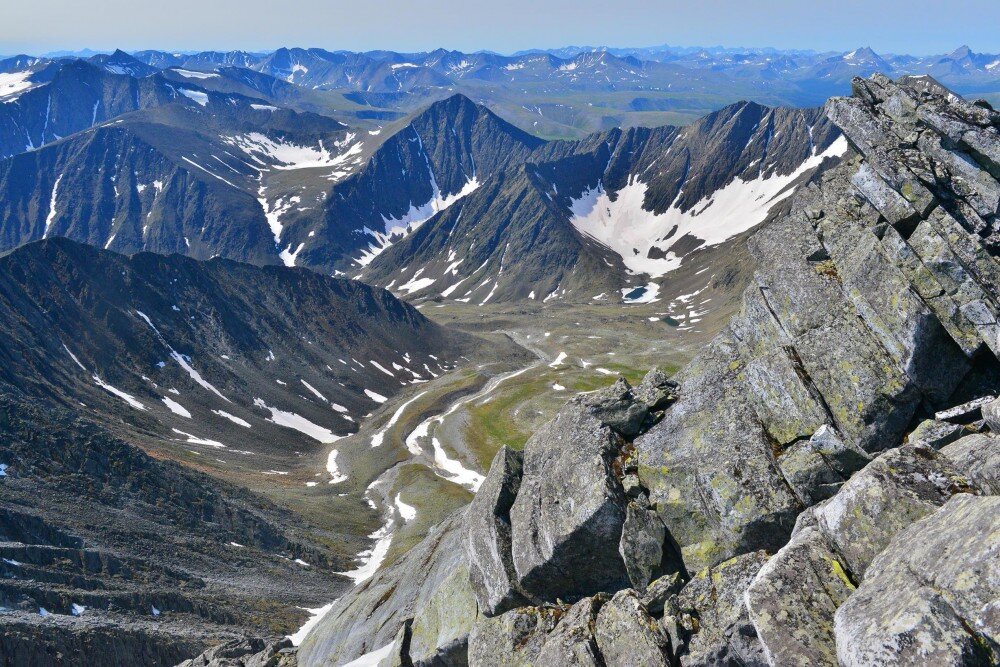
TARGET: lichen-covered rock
(978,457)
(793,598)
(935,434)
(627,635)
(488,536)
(616,407)
(425,580)
(514,638)
(817,467)
(991,413)
(439,635)
(567,519)
(572,642)
(707,621)
(641,544)
(657,390)
(931,598)
(896,489)
(249,652)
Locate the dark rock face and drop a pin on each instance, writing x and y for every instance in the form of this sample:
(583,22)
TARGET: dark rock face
(569,511)
(516,233)
(491,570)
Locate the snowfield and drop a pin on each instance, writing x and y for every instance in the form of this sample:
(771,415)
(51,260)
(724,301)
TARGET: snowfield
(624,226)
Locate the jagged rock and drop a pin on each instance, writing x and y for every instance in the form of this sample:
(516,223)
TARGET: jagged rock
(572,641)
(616,406)
(966,413)
(896,489)
(641,545)
(431,579)
(991,413)
(935,434)
(627,635)
(660,590)
(931,597)
(512,639)
(817,467)
(567,519)
(978,457)
(708,622)
(488,541)
(250,652)
(793,598)
(657,390)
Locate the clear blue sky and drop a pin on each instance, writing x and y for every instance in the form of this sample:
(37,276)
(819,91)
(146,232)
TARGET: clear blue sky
(899,26)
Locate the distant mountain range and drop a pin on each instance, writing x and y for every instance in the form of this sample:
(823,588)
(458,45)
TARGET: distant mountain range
(572,91)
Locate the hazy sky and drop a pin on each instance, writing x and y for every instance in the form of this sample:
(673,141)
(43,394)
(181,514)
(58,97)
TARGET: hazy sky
(910,26)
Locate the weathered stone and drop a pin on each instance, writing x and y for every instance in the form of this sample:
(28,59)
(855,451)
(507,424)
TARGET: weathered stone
(627,635)
(935,434)
(641,545)
(817,467)
(978,457)
(966,413)
(660,590)
(514,638)
(567,519)
(931,597)
(440,630)
(657,390)
(426,578)
(896,489)
(572,641)
(792,601)
(250,652)
(488,536)
(616,406)
(708,622)
(991,413)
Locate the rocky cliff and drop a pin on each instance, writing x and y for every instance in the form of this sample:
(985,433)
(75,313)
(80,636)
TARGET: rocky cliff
(817,488)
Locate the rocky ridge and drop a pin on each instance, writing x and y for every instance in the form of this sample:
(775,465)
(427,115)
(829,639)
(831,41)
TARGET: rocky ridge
(817,488)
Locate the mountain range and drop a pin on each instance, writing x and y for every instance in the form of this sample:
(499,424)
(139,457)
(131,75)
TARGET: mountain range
(182,162)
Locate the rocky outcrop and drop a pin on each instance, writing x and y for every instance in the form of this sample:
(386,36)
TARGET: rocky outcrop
(931,597)
(825,466)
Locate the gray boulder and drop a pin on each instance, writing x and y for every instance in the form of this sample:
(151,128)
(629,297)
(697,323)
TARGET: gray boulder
(514,638)
(896,489)
(978,457)
(931,598)
(488,536)
(617,407)
(793,598)
(627,635)
(707,621)
(641,545)
(567,519)
(991,413)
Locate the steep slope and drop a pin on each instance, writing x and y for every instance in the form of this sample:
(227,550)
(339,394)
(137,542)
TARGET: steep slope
(441,155)
(57,99)
(206,175)
(241,363)
(113,557)
(802,493)
(597,219)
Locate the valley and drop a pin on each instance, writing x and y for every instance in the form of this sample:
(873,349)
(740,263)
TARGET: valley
(324,358)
